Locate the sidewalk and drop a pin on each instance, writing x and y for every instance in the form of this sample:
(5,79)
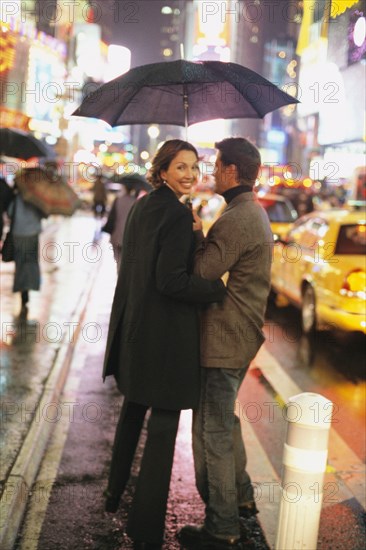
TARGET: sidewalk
(36,354)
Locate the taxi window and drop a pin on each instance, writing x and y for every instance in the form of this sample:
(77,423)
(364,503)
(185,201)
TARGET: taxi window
(351,239)
(277,211)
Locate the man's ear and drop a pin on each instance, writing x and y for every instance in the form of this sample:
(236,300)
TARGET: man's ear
(233,171)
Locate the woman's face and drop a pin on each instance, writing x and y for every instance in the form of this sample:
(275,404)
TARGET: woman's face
(182,173)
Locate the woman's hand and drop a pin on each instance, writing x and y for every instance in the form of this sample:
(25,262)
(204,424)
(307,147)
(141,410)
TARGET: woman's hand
(197,222)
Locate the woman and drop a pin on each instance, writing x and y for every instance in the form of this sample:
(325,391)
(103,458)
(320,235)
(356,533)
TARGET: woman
(6,196)
(152,346)
(27,225)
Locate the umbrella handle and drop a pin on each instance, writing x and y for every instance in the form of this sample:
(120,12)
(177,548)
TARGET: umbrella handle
(185,105)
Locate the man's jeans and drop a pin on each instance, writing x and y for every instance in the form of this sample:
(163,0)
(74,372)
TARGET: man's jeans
(219,453)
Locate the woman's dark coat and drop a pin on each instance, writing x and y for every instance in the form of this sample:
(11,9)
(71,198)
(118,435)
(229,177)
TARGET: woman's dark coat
(153,340)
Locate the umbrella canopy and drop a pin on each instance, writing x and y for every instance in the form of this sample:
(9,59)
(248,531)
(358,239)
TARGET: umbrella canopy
(22,145)
(51,195)
(183,93)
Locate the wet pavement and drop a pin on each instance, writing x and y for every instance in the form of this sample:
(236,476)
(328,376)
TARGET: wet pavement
(54,358)
(29,347)
(36,350)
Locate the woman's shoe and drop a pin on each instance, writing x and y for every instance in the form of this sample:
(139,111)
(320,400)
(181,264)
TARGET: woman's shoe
(146,546)
(23,314)
(111,502)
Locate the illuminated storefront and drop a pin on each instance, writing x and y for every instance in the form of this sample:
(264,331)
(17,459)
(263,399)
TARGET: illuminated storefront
(44,86)
(279,67)
(32,69)
(332,108)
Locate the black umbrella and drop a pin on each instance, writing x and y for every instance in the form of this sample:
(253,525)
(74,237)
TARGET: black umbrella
(22,145)
(183,93)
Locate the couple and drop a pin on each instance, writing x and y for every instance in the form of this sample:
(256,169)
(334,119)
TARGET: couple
(168,268)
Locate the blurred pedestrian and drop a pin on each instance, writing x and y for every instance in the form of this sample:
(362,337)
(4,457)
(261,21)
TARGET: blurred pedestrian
(341,194)
(26,227)
(99,196)
(303,202)
(6,197)
(153,341)
(239,243)
(117,216)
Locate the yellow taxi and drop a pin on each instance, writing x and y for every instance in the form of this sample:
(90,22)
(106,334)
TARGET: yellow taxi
(281,213)
(320,267)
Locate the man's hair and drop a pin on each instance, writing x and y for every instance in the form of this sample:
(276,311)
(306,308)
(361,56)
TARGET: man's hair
(164,156)
(244,155)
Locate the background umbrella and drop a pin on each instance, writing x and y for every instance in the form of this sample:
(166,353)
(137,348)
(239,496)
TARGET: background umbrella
(183,93)
(51,195)
(134,182)
(22,145)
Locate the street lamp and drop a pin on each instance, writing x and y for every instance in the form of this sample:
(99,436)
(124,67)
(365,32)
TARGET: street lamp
(153,132)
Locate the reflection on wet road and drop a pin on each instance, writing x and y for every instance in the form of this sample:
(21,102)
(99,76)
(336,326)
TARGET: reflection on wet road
(332,364)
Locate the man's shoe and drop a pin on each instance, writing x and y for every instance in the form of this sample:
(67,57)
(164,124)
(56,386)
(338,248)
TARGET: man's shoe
(195,537)
(111,502)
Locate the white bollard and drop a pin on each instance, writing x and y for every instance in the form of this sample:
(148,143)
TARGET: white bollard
(304,462)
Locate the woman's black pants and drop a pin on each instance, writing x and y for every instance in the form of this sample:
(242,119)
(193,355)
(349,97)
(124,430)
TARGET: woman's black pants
(146,519)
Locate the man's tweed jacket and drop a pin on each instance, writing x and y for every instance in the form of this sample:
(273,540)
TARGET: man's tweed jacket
(240,242)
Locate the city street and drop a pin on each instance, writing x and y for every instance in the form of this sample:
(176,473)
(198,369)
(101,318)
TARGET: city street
(53,360)
(262,102)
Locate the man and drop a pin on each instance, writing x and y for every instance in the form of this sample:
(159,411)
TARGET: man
(239,243)
(99,196)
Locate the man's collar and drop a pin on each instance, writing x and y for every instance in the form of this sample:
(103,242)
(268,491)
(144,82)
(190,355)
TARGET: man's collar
(233,192)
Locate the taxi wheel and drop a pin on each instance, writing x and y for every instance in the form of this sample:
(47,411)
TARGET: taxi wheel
(308,312)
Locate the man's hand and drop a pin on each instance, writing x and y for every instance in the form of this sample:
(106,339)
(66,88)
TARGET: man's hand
(197,222)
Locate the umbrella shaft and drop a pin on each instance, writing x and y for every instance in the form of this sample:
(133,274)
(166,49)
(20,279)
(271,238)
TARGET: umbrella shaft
(185,105)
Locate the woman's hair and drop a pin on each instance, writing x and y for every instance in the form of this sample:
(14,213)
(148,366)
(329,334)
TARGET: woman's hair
(164,156)
(244,155)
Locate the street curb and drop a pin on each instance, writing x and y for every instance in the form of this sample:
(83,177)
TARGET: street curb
(19,482)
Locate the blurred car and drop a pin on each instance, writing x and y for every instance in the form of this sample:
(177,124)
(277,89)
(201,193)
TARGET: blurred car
(280,210)
(320,268)
(281,213)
